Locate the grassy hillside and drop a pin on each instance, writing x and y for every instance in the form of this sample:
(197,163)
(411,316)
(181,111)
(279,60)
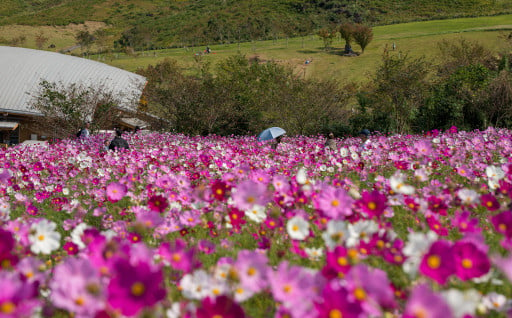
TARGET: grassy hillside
(164,23)
(415,39)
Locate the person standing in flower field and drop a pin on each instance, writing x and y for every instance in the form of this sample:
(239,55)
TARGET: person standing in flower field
(118,142)
(84,132)
(330,143)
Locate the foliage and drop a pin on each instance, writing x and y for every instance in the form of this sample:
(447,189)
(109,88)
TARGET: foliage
(327,35)
(363,35)
(84,39)
(244,98)
(396,93)
(66,109)
(346,30)
(179,23)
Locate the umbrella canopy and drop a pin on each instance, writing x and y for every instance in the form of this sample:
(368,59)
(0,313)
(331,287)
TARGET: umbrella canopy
(271,133)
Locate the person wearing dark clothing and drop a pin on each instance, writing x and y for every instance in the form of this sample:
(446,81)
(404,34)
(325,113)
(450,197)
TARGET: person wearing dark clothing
(118,141)
(330,143)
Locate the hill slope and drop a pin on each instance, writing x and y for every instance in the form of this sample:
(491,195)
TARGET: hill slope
(163,23)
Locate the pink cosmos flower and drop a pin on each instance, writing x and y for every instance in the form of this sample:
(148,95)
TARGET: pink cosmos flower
(337,263)
(18,298)
(489,201)
(470,261)
(370,287)
(503,223)
(248,193)
(7,258)
(464,223)
(504,264)
(252,270)
(178,255)
(438,263)
(157,203)
(372,203)
(116,191)
(76,287)
(426,304)
(335,302)
(134,287)
(335,203)
(221,306)
(71,248)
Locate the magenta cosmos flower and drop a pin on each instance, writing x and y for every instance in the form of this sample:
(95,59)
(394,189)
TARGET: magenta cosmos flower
(18,298)
(116,191)
(336,302)
(426,304)
(470,261)
(372,203)
(158,203)
(438,263)
(221,306)
(335,203)
(503,223)
(7,258)
(134,287)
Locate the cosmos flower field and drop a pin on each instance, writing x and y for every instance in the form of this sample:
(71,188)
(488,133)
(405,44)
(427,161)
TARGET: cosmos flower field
(178,226)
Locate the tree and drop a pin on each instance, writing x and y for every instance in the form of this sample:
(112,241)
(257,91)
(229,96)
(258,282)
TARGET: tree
(40,39)
(363,35)
(327,35)
(346,30)
(84,39)
(66,108)
(397,93)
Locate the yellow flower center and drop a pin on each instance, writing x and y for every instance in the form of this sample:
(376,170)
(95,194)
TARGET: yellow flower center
(251,199)
(234,216)
(342,261)
(433,261)
(489,203)
(372,206)
(359,293)
(467,263)
(7,308)
(251,271)
(335,203)
(287,289)
(380,243)
(137,289)
(217,316)
(335,313)
(502,227)
(295,228)
(41,237)
(80,301)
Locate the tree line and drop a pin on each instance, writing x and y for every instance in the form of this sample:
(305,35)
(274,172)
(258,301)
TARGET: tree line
(470,88)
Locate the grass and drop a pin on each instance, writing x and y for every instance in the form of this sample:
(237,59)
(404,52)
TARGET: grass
(416,39)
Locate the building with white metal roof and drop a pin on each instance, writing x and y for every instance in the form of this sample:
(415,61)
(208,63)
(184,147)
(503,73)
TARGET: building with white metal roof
(22,70)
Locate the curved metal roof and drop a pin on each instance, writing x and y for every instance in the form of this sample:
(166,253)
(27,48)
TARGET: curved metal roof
(22,70)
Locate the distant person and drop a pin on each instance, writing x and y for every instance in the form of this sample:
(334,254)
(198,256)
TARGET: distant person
(365,141)
(330,143)
(276,142)
(208,50)
(84,132)
(394,46)
(118,142)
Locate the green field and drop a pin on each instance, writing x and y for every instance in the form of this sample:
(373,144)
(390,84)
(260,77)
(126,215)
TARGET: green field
(415,39)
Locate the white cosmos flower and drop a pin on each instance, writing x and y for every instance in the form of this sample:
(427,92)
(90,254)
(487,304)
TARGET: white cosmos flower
(354,156)
(462,302)
(301,176)
(297,228)
(417,244)
(335,234)
(5,210)
(43,237)
(494,172)
(76,234)
(314,253)
(397,183)
(241,294)
(343,152)
(361,230)
(196,285)
(494,301)
(468,196)
(256,213)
